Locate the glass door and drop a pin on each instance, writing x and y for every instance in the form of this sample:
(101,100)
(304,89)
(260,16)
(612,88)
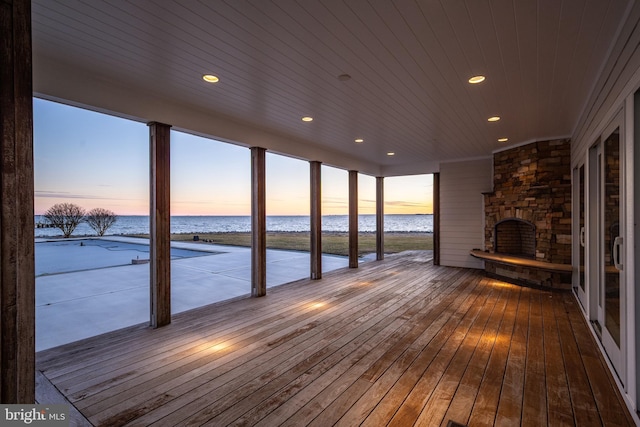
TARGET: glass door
(579,287)
(610,295)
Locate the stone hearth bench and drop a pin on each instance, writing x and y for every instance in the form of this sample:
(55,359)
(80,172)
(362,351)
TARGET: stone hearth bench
(522,262)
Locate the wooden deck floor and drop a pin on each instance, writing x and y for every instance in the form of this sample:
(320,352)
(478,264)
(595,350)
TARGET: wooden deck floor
(398,342)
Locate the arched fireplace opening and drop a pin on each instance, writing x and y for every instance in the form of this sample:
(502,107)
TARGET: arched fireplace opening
(515,237)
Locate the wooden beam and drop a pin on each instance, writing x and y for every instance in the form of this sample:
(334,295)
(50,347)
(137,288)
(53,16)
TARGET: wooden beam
(17,266)
(353,219)
(436,219)
(379,218)
(316,220)
(160,217)
(258,223)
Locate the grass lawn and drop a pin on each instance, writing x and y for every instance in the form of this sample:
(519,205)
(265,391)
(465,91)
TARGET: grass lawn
(332,243)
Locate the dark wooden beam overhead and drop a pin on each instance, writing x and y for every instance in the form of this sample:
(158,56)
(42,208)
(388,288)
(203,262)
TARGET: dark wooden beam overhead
(353,219)
(316,220)
(17,266)
(258,223)
(160,217)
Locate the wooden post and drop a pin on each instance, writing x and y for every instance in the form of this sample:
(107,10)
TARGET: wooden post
(316,221)
(160,217)
(353,219)
(17,266)
(379,218)
(258,223)
(436,219)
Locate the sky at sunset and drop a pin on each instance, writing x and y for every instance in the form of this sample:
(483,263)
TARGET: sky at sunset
(97,160)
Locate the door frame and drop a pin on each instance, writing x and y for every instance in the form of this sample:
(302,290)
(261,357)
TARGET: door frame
(580,234)
(594,252)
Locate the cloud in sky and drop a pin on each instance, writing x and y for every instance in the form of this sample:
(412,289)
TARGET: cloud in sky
(69,195)
(44,199)
(402,203)
(335,205)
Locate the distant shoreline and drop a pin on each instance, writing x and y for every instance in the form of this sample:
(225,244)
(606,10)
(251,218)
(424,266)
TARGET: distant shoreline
(333,242)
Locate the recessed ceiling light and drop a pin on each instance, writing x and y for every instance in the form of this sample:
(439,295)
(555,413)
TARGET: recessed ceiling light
(359,140)
(476,79)
(503,139)
(493,119)
(307,119)
(391,153)
(210,78)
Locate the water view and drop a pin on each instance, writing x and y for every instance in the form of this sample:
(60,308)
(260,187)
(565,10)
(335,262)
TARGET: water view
(139,224)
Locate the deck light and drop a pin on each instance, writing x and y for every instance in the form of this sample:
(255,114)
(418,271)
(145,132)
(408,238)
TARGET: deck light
(359,140)
(307,119)
(476,79)
(503,139)
(219,347)
(210,78)
(493,119)
(391,153)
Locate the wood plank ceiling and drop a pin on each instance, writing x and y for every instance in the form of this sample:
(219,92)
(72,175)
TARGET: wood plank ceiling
(279,60)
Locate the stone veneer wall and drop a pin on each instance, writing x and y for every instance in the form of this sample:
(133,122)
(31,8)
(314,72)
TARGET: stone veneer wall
(533,182)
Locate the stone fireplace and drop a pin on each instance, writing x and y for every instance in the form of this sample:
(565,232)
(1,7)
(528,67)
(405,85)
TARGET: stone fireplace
(528,214)
(515,237)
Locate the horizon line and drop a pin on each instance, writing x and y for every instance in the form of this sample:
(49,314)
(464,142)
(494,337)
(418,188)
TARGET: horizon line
(221,215)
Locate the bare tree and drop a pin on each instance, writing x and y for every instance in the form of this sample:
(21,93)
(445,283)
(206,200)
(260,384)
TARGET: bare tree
(65,216)
(100,220)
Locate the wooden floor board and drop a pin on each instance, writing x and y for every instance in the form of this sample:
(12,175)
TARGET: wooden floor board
(362,320)
(435,410)
(363,332)
(606,394)
(395,342)
(511,396)
(201,343)
(467,390)
(486,403)
(187,387)
(534,401)
(312,407)
(409,334)
(382,384)
(584,405)
(559,408)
